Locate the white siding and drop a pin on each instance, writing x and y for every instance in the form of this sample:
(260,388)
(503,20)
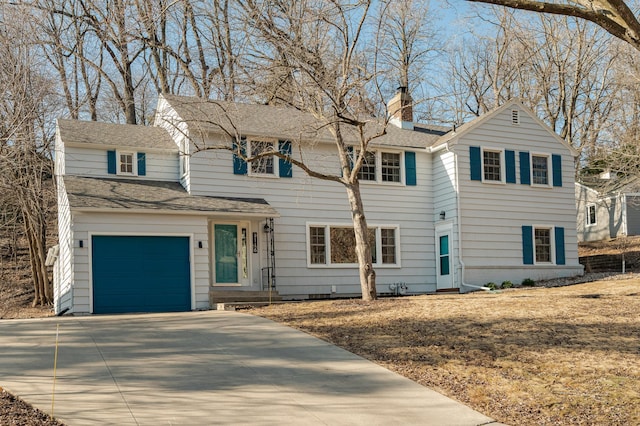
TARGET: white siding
(302,199)
(86,225)
(62,285)
(93,162)
(493,214)
(167,118)
(445,200)
(609,215)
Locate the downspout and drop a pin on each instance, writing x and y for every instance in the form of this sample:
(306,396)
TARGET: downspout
(459,220)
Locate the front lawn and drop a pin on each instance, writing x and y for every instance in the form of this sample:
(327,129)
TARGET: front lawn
(566,355)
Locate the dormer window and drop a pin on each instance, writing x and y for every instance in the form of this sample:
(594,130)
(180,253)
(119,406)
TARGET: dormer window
(125,163)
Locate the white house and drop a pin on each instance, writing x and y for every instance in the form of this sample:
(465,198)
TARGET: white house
(608,211)
(152,219)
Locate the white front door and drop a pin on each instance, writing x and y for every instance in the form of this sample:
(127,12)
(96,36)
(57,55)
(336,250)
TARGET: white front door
(444,258)
(230,256)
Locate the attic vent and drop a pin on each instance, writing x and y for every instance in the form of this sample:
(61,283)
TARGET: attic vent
(515,117)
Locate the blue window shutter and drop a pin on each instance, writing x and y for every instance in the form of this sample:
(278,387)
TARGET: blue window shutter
(284,167)
(142,164)
(476,162)
(525,170)
(527,245)
(111,162)
(239,165)
(556,162)
(559,239)
(410,168)
(510,166)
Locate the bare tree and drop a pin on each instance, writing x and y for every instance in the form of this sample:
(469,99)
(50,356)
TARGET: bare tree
(615,16)
(320,47)
(24,157)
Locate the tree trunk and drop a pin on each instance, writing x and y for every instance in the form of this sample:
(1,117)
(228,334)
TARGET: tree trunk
(363,248)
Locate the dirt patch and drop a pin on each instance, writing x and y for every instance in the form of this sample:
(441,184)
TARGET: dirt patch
(14,411)
(541,356)
(615,246)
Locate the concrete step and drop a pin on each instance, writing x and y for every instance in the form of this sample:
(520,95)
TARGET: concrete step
(238,296)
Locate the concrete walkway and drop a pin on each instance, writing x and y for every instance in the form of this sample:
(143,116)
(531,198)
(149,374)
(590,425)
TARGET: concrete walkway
(202,368)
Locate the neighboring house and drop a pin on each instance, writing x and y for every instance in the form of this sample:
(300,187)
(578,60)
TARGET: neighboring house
(148,221)
(609,212)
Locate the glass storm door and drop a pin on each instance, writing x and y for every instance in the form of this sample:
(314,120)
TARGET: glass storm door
(444,270)
(226,253)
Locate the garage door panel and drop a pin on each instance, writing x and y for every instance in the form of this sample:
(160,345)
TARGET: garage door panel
(141,274)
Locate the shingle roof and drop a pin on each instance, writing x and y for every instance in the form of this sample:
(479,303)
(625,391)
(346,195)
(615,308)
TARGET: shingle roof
(86,193)
(284,123)
(116,135)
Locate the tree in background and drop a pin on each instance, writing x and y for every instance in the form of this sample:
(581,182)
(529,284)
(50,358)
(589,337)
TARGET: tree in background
(24,143)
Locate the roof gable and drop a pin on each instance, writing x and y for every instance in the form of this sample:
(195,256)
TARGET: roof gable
(453,137)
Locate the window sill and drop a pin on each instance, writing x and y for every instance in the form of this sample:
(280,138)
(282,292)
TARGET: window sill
(351,266)
(494,182)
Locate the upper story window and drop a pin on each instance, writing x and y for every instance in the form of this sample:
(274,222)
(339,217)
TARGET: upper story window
(125,163)
(391,166)
(540,169)
(591,215)
(381,166)
(492,165)
(263,165)
(368,169)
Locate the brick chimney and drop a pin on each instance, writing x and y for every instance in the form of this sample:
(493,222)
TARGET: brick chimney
(400,109)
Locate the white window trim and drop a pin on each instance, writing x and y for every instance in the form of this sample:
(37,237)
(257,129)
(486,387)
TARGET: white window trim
(378,166)
(549,183)
(587,216)
(552,242)
(276,162)
(502,180)
(327,238)
(134,163)
(184,158)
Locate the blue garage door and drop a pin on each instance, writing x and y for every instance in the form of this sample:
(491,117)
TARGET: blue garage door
(140,274)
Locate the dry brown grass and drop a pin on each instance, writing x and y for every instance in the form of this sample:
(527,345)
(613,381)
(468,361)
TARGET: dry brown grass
(568,355)
(615,246)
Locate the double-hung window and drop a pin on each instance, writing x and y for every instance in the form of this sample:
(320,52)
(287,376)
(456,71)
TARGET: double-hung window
(542,245)
(336,245)
(368,169)
(591,217)
(381,166)
(492,165)
(390,166)
(540,169)
(263,165)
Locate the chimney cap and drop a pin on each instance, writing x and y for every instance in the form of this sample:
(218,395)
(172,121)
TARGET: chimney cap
(402,89)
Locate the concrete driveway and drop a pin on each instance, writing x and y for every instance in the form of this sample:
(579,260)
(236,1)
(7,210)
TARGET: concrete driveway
(201,368)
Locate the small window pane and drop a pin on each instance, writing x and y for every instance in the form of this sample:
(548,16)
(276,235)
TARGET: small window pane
(591,215)
(126,163)
(317,245)
(388,245)
(390,167)
(492,168)
(543,245)
(368,169)
(343,245)
(539,166)
(263,165)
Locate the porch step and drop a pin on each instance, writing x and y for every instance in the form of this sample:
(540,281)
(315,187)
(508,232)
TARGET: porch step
(238,296)
(448,290)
